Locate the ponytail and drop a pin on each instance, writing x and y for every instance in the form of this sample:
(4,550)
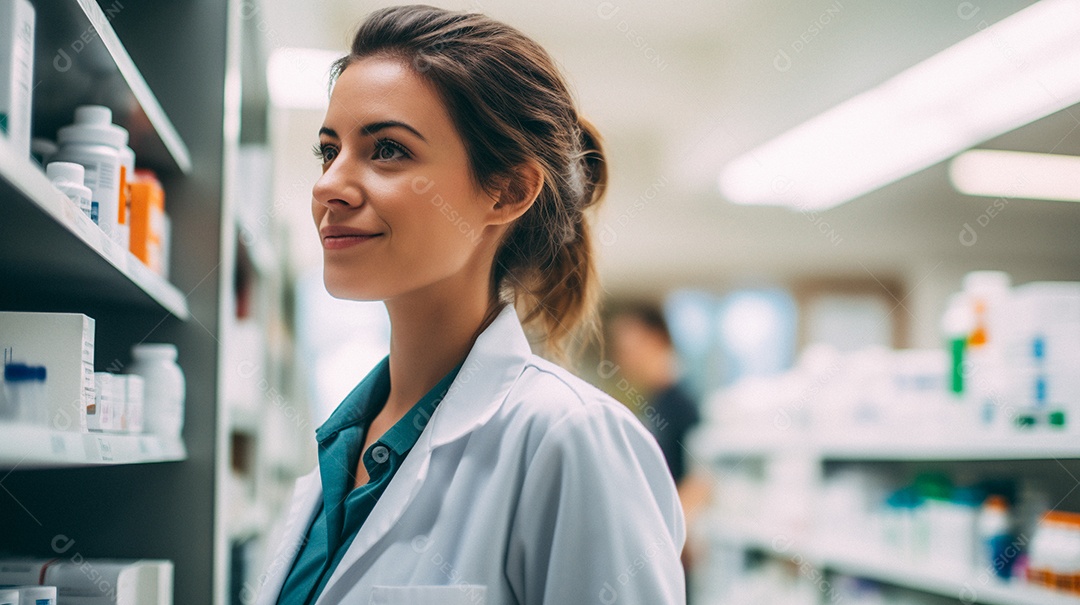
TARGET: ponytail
(562,298)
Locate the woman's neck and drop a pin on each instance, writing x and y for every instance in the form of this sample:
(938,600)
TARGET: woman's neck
(430,332)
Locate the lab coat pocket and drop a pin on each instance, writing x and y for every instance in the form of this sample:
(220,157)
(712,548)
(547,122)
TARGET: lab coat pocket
(459,594)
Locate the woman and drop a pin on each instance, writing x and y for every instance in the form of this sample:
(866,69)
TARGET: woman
(464,468)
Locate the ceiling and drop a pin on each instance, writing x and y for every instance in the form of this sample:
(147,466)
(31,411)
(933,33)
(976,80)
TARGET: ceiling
(678,88)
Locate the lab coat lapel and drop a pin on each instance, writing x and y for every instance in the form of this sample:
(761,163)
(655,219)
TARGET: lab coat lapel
(307,492)
(490,370)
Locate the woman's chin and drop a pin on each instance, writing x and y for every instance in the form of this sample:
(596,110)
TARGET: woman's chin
(352,290)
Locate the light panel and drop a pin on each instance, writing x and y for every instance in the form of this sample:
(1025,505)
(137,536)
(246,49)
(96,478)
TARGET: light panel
(1018,70)
(1013,174)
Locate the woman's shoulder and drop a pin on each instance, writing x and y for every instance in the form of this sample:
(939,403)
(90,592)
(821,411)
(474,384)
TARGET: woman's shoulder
(549,401)
(555,389)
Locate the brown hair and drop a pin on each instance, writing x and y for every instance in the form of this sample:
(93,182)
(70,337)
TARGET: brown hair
(511,106)
(647,313)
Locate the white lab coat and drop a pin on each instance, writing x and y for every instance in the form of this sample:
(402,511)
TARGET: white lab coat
(530,486)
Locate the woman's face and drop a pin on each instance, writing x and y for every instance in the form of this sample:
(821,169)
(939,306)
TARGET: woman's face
(396,206)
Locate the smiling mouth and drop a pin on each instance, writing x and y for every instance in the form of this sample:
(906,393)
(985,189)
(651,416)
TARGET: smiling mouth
(337,242)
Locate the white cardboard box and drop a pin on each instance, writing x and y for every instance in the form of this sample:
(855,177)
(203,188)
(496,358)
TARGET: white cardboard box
(64,344)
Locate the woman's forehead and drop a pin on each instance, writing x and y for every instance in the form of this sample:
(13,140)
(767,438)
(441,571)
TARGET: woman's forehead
(377,88)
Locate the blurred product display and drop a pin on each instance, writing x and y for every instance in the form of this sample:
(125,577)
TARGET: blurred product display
(874,463)
(1007,369)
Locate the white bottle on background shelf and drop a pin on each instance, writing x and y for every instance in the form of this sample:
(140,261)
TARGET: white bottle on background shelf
(164,389)
(94,142)
(986,383)
(68,178)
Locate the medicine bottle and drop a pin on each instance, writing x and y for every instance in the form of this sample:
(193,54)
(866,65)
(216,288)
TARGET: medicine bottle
(163,390)
(68,178)
(94,142)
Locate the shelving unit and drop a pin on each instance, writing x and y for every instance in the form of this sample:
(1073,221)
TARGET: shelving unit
(50,246)
(969,589)
(23,447)
(173,91)
(883,568)
(883,446)
(75,38)
(814,546)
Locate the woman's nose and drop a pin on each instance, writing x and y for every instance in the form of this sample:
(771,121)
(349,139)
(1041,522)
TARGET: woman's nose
(336,189)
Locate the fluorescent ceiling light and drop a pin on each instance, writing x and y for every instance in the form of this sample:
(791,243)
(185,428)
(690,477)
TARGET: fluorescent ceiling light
(1012,174)
(1012,73)
(298,78)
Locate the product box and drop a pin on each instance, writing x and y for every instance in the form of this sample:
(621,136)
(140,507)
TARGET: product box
(16,72)
(62,343)
(132,420)
(104,414)
(147,219)
(81,581)
(27,595)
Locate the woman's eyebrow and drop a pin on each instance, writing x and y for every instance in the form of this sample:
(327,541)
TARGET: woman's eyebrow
(374,127)
(330,132)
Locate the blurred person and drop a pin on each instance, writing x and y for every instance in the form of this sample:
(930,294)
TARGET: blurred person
(464,467)
(644,355)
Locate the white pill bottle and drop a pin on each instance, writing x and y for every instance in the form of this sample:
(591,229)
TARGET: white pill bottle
(94,142)
(163,390)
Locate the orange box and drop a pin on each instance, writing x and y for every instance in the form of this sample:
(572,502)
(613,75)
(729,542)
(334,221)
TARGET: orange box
(147,215)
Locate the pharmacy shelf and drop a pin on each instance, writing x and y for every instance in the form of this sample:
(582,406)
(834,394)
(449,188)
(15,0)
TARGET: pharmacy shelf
(51,246)
(25,447)
(887,570)
(896,446)
(1043,445)
(971,589)
(80,60)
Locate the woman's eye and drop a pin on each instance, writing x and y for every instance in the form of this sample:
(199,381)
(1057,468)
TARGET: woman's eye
(387,150)
(325,153)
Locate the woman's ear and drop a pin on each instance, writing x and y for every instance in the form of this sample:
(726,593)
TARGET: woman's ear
(517,193)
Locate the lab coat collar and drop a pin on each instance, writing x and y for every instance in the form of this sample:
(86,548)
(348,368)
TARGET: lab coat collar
(490,370)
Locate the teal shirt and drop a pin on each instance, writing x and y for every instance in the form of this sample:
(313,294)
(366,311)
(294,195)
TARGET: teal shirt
(344,509)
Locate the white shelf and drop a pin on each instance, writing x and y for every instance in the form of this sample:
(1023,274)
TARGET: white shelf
(96,68)
(1035,445)
(971,589)
(59,249)
(23,447)
(868,445)
(884,569)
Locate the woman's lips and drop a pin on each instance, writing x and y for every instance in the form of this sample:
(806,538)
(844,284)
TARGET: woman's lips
(340,242)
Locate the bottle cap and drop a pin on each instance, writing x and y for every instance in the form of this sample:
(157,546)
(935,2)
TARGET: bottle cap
(968,496)
(93,124)
(983,281)
(20,372)
(154,351)
(69,172)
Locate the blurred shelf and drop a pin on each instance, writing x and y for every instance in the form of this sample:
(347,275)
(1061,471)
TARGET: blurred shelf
(756,536)
(895,446)
(978,446)
(51,247)
(965,588)
(731,445)
(24,447)
(89,65)
(971,589)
